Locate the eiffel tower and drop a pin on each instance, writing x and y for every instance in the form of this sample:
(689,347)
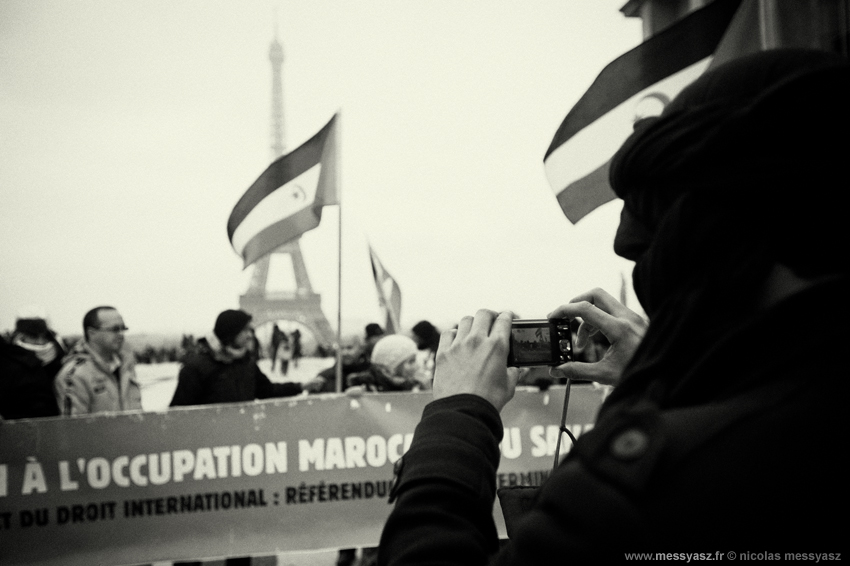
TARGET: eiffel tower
(300,305)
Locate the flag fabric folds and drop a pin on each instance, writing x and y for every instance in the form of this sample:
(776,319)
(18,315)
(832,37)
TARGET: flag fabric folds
(287,199)
(628,88)
(389,294)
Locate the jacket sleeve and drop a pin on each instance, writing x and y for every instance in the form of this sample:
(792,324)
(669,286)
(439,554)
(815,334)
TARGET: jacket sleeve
(445,487)
(132,400)
(266,389)
(134,396)
(72,392)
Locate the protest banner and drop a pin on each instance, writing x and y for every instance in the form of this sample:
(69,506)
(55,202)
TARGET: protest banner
(281,475)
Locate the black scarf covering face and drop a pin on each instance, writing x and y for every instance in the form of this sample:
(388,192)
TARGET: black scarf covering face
(745,169)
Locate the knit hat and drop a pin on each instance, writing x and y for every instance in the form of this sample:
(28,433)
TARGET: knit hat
(32,321)
(31,326)
(229,324)
(392,350)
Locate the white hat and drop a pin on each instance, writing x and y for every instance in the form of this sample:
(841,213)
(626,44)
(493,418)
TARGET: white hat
(392,350)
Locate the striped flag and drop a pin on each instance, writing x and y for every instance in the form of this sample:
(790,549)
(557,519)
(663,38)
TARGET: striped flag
(635,85)
(389,294)
(287,199)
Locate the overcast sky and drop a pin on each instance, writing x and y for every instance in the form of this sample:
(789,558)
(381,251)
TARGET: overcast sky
(129,129)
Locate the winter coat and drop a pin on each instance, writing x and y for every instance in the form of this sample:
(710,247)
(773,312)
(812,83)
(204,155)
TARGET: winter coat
(210,375)
(328,375)
(86,385)
(757,463)
(26,385)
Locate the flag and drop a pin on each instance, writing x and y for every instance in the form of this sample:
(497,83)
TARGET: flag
(389,294)
(287,199)
(649,75)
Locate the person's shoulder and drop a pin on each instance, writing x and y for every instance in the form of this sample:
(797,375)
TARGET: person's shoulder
(79,352)
(13,353)
(78,363)
(195,356)
(6,346)
(198,360)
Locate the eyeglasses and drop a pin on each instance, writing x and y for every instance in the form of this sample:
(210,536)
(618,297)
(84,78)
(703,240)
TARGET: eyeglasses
(113,329)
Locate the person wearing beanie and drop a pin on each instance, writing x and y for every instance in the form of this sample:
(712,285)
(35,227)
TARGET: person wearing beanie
(29,362)
(223,369)
(393,366)
(229,324)
(725,425)
(396,354)
(99,373)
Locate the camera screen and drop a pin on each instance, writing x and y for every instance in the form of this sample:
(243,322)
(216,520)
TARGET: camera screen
(531,345)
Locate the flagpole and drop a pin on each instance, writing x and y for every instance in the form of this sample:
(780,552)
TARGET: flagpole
(338,165)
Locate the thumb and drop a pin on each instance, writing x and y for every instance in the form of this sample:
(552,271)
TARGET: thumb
(515,375)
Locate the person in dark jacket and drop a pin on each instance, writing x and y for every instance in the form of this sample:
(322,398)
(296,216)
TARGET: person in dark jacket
(29,362)
(353,360)
(222,369)
(723,433)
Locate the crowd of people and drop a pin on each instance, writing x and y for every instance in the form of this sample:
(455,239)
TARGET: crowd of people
(42,375)
(97,373)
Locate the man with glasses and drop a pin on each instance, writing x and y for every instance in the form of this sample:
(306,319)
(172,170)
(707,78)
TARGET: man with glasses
(98,375)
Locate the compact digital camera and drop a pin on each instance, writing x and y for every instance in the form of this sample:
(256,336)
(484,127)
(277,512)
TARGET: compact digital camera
(540,342)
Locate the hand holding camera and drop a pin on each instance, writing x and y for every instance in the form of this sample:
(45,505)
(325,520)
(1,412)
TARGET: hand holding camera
(623,328)
(472,358)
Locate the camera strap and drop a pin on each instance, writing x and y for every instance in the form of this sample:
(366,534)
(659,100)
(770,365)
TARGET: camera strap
(516,500)
(563,427)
